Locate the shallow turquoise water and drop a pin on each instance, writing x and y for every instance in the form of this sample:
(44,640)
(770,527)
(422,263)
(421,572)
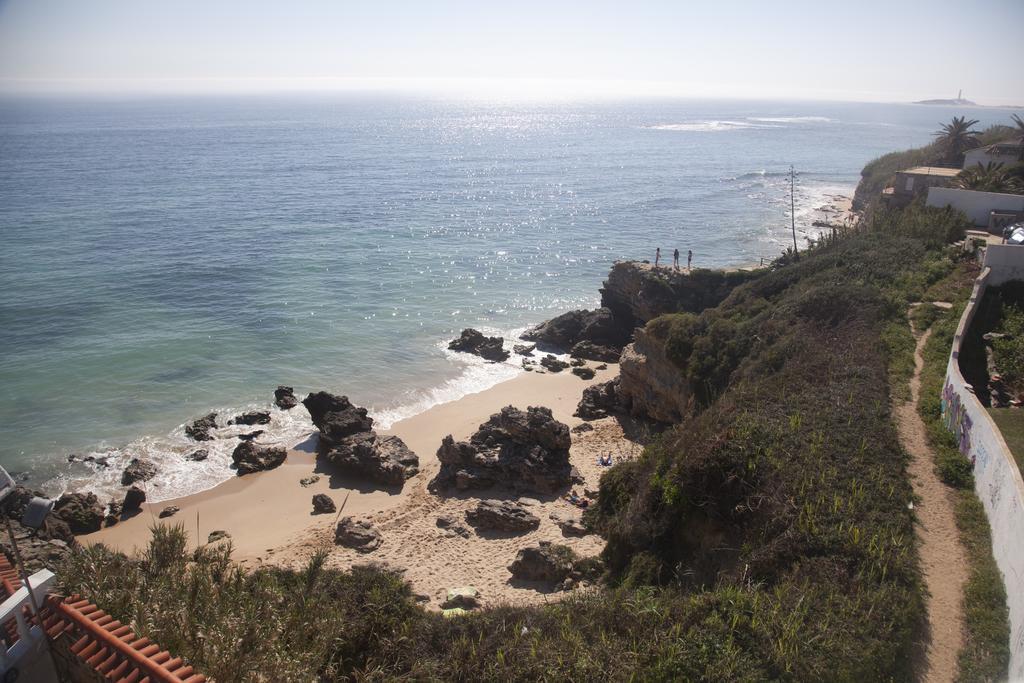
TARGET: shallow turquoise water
(165,257)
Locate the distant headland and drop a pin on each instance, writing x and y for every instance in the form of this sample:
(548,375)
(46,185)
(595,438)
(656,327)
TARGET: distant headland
(957,101)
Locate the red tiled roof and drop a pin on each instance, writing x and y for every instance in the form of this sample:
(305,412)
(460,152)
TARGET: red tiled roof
(99,640)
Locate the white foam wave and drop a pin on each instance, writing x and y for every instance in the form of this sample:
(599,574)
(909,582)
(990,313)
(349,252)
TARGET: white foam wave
(708,126)
(792,119)
(475,375)
(177,476)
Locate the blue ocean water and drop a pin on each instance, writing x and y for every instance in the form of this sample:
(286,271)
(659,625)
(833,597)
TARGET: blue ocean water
(165,257)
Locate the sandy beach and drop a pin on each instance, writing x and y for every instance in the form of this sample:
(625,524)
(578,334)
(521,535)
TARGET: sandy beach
(268,514)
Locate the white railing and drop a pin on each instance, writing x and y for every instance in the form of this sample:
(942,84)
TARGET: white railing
(31,643)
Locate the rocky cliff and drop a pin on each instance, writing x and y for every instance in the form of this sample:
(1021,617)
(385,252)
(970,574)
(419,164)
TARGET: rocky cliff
(636,292)
(650,385)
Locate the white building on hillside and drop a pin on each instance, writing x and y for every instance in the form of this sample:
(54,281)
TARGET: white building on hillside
(1005,153)
(990,210)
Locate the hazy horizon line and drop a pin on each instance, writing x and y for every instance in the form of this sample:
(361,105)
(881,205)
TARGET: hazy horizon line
(500,88)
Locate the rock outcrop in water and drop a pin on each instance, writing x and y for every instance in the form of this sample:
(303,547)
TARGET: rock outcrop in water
(526,451)
(335,416)
(138,470)
(255,417)
(284,398)
(348,441)
(475,342)
(199,430)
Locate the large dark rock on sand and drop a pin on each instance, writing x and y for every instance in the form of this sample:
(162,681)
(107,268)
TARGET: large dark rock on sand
(133,500)
(502,515)
(599,401)
(588,350)
(348,441)
(322,504)
(546,562)
(565,331)
(568,522)
(385,459)
(138,470)
(583,372)
(248,457)
(255,417)
(475,342)
(284,398)
(82,512)
(553,364)
(524,450)
(360,536)
(335,416)
(199,430)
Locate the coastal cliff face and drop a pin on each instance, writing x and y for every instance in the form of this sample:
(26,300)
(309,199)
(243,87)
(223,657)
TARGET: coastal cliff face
(650,385)
(636,292)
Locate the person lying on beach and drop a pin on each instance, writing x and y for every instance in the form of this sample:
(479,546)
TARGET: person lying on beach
(605,460)
(574,498)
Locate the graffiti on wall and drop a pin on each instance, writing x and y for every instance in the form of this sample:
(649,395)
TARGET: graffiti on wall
(954,414)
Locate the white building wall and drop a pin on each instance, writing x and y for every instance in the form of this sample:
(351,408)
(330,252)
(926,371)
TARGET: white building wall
(997,480)
(1005,261)
(979,156)
(977,205)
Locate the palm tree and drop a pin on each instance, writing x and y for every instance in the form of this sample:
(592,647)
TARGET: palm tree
(956,137)
(1020,123)
(989,178)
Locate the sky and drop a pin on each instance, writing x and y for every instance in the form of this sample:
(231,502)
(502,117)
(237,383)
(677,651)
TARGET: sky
(858,50)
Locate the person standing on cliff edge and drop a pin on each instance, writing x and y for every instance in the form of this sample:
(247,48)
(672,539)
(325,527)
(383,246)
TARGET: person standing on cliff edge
(657,256)
(689,259)
(675,259)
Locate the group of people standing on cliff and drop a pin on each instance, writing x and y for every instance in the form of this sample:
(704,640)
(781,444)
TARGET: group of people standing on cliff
(675,259)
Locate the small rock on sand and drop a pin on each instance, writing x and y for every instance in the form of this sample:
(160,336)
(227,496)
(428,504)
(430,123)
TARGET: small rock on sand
(466,597)
(322,504)
(360,536)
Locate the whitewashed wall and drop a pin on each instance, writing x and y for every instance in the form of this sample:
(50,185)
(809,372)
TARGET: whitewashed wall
(977,205)
(981,156)
(1005,261)
(997,481)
